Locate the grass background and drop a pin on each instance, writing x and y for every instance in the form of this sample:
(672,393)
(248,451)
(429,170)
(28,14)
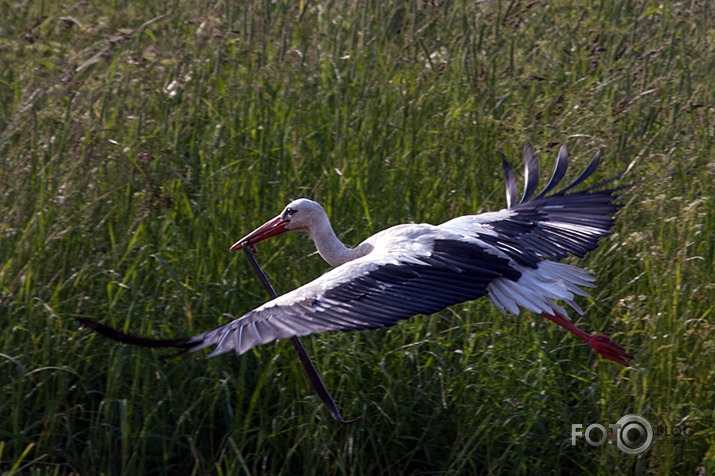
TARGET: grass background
(138,139)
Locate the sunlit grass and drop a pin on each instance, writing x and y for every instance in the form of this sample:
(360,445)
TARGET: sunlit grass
(138,141)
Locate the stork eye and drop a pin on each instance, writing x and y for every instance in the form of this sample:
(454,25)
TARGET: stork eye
(290,211)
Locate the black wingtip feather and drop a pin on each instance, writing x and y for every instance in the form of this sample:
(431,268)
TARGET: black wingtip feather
(531,173)
(554,225)
(510,183)
(562,164)
(135,340)
(584,175)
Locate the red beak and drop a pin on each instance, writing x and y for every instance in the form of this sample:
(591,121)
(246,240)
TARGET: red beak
(272,227)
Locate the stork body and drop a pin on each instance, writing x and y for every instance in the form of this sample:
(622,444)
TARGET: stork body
(411,269)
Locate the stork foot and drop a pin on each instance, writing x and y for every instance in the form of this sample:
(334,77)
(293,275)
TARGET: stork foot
(598,342)
(609,349)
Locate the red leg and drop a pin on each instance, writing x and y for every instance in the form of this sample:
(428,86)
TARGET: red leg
(600,343)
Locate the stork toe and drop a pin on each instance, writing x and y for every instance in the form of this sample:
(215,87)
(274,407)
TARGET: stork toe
(609,349)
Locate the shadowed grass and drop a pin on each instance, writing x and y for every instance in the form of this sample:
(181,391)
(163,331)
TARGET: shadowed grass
(138,140)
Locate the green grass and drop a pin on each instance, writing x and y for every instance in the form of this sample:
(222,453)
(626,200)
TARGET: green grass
(138,140)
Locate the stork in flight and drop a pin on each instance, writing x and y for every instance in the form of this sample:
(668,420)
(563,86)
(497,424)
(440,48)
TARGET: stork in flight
(510,255)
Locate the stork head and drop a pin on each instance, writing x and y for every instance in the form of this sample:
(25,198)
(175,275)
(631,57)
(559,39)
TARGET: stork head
(301,214)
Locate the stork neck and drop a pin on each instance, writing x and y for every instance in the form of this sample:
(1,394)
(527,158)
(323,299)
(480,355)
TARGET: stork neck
(330,247)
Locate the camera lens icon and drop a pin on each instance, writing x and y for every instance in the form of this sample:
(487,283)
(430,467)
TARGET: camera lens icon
(634,434)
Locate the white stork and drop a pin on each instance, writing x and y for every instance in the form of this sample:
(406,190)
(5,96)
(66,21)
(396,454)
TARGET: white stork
(412,269)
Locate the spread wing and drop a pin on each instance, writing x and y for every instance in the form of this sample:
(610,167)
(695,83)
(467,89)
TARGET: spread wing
(374,291)
(546,227)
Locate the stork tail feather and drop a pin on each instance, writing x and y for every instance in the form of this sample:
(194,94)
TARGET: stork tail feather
(136,340)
